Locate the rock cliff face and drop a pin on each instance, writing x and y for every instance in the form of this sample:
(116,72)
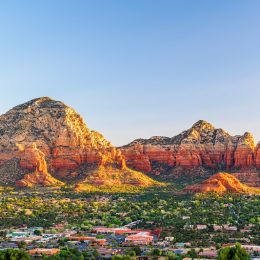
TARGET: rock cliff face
(200,146)
(221,183)
(46,142)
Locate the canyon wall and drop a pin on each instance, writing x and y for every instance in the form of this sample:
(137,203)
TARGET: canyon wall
(200,146)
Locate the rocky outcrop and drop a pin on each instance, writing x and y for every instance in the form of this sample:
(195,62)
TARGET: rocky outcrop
(221,183)
(48,143)
(33,159)
(200,146)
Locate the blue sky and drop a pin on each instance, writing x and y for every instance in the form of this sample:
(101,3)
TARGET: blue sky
(136,68)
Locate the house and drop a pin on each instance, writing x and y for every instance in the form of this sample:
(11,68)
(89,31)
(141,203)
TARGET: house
(161,243)
(229,228)
(91,240)
(44,251)
(209,254)
(142,238)
(116,231)
(18,234)
(8,245)
(30,230)
(217,228)
(60,226)
(201,227)
(169,239)
(179,251)
(180,244)
(188,227)
(245,230)
(99,242)
(27,240)
(252,248)
(81,238)
(107,252)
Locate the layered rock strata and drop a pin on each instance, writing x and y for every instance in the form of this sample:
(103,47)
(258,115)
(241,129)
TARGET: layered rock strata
(46,142)
(200,146)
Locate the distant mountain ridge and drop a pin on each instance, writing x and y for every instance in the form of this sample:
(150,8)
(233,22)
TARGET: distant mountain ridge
(45,142)
(202,145)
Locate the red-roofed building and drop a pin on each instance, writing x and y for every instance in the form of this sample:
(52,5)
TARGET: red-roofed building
(142,238)
(44,251)
(209,253)
(81,238)
(116,231)
(93,240)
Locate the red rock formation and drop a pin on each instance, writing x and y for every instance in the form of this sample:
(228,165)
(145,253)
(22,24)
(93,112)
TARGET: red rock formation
(50,130)
(244,154)
(221,183)
(33,159)
(50,139)
(201,145)
(257,156)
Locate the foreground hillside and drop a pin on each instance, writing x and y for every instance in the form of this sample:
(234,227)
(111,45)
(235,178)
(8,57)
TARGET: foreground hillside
(45,142)
(222,183)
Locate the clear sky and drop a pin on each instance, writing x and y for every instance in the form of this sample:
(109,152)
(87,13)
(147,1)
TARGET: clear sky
(136,68)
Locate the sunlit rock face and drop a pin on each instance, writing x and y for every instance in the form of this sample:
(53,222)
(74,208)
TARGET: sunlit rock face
(201,145)
(45,142)
(257,156)
(34,160)
(221,183)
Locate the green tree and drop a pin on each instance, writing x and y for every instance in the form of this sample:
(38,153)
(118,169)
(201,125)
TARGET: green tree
(95,253)
(233,253)
(62,241)
(171,255)
(14,254)
(137,250)
(22,245)
(37,232)
(156,252)
(192,253)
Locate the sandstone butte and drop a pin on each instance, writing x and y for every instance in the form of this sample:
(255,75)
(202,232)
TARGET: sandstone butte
(221,183)
(202,145)
(45,142)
